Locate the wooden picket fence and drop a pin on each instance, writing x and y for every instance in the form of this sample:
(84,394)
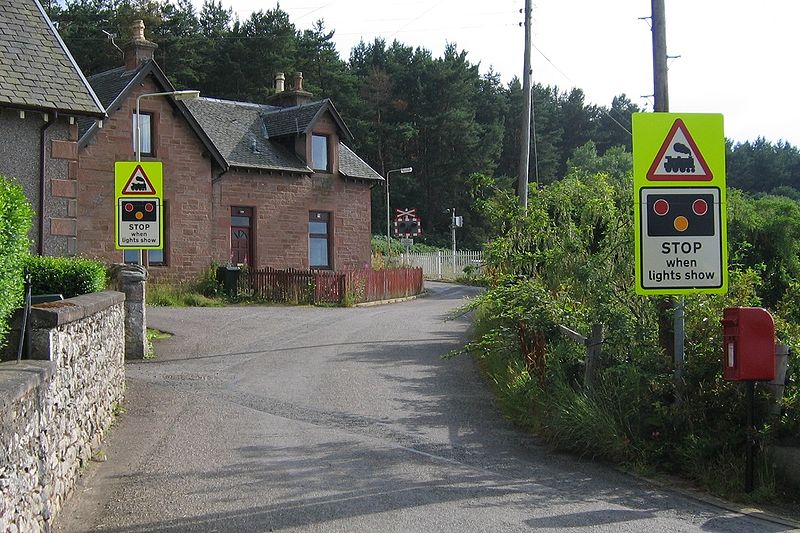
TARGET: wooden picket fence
(444,265)
(326,287)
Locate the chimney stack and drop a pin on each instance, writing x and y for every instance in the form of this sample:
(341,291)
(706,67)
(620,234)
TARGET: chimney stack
(139,49)
(284,97)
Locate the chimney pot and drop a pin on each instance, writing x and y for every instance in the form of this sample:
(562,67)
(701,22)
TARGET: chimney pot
(137,30)
(280,81)
(298,81)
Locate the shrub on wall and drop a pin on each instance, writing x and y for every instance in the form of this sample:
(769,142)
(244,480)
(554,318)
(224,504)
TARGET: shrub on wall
(70,276)
(15,222)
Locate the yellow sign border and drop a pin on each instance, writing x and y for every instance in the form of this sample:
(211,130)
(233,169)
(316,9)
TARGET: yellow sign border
(155,173)
(649,133)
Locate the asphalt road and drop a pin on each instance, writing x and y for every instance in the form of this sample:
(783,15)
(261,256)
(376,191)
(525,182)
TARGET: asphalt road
(328,419)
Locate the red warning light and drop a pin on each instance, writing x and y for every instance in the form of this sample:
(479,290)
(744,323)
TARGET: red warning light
(148,207)
(128,207)
(700,207)
(661,207)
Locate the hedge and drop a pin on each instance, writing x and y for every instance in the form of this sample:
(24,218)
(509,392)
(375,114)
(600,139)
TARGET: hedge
(70,276)
(16,216)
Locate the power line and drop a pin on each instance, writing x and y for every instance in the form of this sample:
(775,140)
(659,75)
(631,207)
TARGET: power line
(602,108)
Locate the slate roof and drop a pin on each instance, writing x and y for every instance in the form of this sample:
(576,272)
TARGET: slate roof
(352,166)
(108,86)
(237,130)
(246,135)
(36,69)
(242,134)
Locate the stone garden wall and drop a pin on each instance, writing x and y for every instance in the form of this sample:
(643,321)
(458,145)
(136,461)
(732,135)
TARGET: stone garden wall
(56,408)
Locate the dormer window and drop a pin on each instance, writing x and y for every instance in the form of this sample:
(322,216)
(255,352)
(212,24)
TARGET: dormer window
(319,153)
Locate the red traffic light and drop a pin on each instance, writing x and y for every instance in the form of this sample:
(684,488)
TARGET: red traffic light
(661,207)
(700,207)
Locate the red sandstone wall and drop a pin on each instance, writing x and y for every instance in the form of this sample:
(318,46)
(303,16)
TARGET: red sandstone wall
(282,204)
(187,187)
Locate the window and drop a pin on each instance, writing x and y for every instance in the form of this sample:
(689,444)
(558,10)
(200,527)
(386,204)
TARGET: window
(319,153)
(156,257)
(319,238)
(130,256)
(146,124)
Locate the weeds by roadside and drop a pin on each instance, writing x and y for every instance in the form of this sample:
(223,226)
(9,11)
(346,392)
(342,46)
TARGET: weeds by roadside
(154,335)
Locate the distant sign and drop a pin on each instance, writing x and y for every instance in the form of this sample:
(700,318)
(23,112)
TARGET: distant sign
(679,203)
(138,188)
(407,224)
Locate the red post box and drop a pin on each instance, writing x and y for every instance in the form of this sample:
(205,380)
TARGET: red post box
(749,344)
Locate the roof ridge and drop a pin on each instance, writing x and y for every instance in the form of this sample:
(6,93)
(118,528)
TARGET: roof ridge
(106,72)
(296,107)
(235,102)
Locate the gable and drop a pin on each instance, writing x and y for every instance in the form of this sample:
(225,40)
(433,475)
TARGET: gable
(116,85)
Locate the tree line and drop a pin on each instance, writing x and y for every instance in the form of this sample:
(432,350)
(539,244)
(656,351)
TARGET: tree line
(405,107)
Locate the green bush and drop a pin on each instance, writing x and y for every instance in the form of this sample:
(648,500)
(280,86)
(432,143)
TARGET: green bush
(568,260)
(70,276)
(15,222)
(208,284)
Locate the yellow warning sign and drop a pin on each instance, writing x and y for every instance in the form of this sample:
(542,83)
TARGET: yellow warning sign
(138,178)
(679,199)
(679,158)
(139,221)
(678,149)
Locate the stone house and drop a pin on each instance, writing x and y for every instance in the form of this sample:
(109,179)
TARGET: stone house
(43,95)
(255,184)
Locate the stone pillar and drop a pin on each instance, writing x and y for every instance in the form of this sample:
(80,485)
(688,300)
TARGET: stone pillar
(131,279)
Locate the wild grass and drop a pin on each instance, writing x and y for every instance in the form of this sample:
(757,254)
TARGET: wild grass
(179,295)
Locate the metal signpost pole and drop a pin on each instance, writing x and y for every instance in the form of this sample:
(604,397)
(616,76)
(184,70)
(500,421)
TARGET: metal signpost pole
(178,95)
(453,236)
(404,170)
(661,104)
(140,260)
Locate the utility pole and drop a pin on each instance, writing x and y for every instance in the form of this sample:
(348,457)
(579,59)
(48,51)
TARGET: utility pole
(660,85)
(525,138)
(661,105)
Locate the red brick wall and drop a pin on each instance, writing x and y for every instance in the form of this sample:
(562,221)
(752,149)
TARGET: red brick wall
(187,187)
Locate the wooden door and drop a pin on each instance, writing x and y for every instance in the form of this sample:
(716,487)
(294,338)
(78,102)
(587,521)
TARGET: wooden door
(240,245)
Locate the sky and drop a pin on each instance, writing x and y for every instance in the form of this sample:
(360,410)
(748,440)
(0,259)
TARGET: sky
(737,58)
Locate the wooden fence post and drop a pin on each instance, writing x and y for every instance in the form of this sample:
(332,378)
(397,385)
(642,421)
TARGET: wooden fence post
(593,346)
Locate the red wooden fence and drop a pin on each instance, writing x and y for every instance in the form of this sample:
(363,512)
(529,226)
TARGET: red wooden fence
(319,286)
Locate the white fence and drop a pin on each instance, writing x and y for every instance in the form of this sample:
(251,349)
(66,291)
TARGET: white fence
(443,265)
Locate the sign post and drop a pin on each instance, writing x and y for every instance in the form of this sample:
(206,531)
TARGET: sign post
(679,198)
(679,204)
(139,220)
